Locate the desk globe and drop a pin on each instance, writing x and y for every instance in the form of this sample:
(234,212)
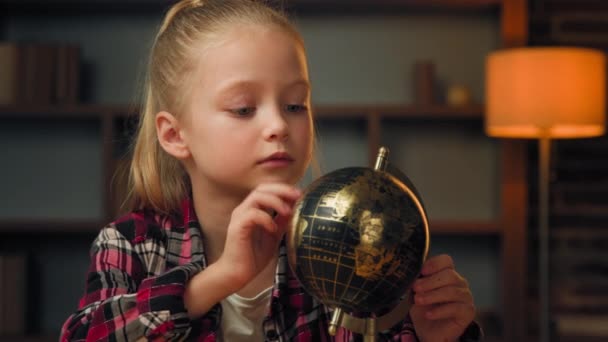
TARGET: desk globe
(357,241)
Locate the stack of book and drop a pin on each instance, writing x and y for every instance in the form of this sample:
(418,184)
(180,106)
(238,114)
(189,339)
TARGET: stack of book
(580,281)
(39,74)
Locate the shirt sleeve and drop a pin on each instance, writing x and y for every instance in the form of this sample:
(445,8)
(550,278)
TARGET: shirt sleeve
(473,333)
(405,332)
(122,302)
(402,332)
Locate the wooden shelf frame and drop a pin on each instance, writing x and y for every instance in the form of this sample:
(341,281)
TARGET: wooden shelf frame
(79,226)
(514,196)
(49,226)
(433,112)
(28,338)
(314,7)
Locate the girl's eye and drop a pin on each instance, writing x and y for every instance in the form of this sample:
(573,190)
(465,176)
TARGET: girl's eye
(243,111)
(292,108)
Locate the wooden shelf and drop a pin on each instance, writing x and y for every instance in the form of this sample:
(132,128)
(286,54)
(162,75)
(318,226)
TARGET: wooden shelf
(581,338)
(435,112)
(580,210)
(77,111)
(465,227)
(51,226)
(27,338)
(353,6)
(92,111)
(132,7)
(574,5)
(55,226)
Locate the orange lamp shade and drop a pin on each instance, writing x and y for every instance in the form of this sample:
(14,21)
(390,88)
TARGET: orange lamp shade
(553,92)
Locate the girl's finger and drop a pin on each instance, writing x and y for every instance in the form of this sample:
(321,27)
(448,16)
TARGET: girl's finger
(285,191)
(445,277)
(271,203)
(436,264)
(460,312)
(446,294)
(259,218)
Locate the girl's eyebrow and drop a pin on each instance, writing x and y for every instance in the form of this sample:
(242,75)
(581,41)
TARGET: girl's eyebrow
(244,85)
(299,83)
(235,86)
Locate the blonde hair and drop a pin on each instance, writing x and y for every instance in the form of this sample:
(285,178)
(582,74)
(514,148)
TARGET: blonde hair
(156,179)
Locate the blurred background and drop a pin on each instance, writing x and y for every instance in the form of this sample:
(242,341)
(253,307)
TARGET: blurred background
(407,74)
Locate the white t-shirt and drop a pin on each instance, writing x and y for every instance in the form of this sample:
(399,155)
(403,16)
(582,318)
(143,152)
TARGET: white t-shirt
(242,317)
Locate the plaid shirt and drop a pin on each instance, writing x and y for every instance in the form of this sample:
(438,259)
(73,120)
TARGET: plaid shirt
(140,265)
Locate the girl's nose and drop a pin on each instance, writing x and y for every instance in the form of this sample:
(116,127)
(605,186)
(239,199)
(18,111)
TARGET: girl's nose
(275,125)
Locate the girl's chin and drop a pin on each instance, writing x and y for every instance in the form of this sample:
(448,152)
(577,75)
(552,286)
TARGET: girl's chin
(282,176)
(285,179)
(277,180)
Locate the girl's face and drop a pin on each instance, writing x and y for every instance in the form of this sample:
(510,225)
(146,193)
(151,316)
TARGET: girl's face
(248,119)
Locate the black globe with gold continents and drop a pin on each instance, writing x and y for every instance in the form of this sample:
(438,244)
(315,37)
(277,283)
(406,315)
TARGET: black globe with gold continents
(358,239)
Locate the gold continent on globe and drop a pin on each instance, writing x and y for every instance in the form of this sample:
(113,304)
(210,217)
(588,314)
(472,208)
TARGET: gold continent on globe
(358,239)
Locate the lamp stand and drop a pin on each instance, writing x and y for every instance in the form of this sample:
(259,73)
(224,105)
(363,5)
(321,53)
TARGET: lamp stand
(544,149)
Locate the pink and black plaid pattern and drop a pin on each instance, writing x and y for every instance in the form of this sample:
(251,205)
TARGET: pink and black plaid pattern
(134,288)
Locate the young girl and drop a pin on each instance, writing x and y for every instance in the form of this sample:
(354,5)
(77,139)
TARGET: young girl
(225,133)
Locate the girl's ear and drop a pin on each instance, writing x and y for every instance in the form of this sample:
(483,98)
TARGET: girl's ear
(169,134)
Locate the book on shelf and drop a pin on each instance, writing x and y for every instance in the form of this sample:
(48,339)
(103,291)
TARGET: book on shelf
(11,64)
(13,296)
(582,325)
(68,74)
(39,73)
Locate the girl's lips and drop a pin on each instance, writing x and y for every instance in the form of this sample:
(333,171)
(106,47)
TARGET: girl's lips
(276,162)
(277,157)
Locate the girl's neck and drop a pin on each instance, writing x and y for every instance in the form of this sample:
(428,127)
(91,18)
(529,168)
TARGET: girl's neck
(213,210)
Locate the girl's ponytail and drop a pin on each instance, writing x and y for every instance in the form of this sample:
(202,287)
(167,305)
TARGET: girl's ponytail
(176,9)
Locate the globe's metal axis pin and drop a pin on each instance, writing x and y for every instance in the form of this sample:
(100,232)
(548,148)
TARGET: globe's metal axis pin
(335,322)
(381,159)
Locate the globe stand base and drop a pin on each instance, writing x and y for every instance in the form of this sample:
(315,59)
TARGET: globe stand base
(369,327)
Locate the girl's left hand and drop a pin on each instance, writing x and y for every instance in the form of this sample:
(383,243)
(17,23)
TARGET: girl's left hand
(443,304)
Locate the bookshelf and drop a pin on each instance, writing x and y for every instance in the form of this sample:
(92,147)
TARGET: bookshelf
(110,121)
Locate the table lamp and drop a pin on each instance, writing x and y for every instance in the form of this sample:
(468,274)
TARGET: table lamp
(545,93)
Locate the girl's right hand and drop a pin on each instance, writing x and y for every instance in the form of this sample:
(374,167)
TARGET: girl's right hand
(256,228)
